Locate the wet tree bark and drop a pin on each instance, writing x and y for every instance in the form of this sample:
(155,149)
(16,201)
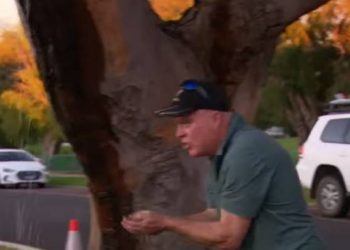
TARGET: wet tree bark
(107,64)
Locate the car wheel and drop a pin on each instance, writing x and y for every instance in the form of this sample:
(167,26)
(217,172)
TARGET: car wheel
(331,197)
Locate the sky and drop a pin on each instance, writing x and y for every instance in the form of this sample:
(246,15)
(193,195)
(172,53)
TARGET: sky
(8,14)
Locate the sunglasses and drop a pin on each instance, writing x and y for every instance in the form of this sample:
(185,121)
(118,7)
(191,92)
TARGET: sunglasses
(191,85)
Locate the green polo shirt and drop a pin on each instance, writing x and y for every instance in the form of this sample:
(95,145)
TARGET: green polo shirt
(253,177)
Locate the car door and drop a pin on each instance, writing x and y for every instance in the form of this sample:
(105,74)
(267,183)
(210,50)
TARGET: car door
(336,147)
(346,153)
(333,141)
(335,138)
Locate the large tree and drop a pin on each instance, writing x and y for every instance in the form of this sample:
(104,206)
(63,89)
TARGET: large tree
(108,64)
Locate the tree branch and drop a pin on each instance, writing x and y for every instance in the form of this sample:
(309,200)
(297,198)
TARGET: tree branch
(292,10)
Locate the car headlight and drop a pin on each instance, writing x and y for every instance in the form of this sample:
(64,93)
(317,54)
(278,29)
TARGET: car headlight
(9,170)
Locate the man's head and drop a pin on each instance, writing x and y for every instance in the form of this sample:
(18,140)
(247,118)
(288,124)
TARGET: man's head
(202,119)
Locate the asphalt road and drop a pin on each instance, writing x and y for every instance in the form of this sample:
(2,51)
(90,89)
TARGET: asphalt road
(40,218)
(334,232)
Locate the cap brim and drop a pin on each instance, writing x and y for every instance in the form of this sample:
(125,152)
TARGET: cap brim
(174,111)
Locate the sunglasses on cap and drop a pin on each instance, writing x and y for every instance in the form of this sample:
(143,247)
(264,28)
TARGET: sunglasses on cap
(195,85)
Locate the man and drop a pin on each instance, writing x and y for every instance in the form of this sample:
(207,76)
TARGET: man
(254,196)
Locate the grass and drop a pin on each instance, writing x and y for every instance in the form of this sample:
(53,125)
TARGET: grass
(59,181)
(291,145)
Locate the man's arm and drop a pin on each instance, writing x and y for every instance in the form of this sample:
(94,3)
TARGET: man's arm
(210,214)
(224,234)
(228,233)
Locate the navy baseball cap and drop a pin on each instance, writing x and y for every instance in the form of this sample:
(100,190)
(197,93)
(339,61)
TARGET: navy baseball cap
(194,95)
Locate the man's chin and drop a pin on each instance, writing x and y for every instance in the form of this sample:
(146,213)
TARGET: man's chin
(194,153)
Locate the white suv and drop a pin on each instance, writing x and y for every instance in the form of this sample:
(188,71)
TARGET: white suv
(324,163)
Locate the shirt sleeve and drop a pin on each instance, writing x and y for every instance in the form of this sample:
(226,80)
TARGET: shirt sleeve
(246,184)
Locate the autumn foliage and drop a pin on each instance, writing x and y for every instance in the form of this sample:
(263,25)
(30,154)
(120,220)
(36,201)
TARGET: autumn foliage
(171,10)
(27,93)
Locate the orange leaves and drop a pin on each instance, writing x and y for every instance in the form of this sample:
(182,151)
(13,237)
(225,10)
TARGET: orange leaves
(341,33)
(296,35)
(22,101)
(328,25)
(14,47)
(27,94)
(171,10)
(7,50)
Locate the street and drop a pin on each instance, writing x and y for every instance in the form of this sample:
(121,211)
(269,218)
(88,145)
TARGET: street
(40,218)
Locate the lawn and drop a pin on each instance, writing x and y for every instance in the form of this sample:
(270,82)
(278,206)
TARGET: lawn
(291,145)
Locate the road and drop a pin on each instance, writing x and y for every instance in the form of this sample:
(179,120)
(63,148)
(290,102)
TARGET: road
(40,217)
(334,232)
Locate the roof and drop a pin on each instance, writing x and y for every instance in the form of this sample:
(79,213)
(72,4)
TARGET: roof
(338,106)
(340,101)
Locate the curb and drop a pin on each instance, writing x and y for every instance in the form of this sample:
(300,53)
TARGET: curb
(15,246)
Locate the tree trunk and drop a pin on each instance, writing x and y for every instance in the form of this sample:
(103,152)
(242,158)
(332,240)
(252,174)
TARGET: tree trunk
(302,114)
(108,64)
(50,145)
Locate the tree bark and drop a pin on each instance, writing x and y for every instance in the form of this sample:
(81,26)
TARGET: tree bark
(302,114)
(50,146)
(108,64)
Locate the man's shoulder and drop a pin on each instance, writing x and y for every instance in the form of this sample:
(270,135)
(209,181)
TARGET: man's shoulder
(245,148)
(253,144)
(251,137)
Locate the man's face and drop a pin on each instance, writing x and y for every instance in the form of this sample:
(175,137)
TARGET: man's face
(198,133)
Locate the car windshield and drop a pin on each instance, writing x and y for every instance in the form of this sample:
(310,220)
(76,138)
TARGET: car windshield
(15,156)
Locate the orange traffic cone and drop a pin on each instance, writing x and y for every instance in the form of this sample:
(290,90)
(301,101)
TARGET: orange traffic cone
(73,239)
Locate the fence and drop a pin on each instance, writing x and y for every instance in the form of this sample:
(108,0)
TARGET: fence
(64,163)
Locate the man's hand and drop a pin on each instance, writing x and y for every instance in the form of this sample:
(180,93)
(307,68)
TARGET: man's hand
(144,222)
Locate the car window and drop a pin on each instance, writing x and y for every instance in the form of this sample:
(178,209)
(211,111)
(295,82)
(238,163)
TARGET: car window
(335,130)
(15,156)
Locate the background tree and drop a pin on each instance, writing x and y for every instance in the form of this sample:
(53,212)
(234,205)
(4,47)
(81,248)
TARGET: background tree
(26,111)
(311,64)
(108,65)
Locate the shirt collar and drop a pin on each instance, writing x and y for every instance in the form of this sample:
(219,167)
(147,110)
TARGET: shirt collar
(235,124)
